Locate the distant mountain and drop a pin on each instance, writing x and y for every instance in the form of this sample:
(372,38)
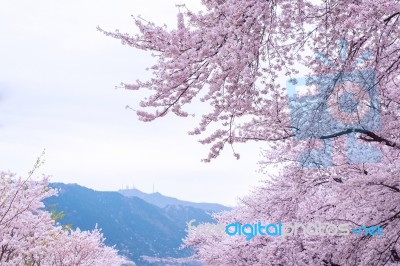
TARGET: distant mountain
(163,201)
(135,226)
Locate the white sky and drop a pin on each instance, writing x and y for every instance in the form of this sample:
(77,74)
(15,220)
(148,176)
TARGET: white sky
(57,79)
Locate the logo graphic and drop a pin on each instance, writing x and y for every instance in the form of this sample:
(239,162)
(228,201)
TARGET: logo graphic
(369,231)
(344,103)
(208,229)
(249,231)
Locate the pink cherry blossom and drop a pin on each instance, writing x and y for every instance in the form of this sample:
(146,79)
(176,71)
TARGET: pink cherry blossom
(233,58)
(30,236)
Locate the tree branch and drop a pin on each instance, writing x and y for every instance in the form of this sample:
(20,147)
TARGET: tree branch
(372,136)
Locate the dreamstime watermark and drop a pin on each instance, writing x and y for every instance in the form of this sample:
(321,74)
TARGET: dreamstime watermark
(344,103)
(281,229)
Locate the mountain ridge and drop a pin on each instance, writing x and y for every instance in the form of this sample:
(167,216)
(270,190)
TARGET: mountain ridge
(162,201)
(136,227)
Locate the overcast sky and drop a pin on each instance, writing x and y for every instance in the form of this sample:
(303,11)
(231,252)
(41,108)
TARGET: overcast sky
(57,79)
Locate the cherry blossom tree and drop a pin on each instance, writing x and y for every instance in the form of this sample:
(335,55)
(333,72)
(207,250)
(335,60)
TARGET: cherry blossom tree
(30,236)
(318,82)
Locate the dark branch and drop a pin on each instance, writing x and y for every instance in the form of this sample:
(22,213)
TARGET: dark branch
(394,188)
(372,136)
(386,20)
